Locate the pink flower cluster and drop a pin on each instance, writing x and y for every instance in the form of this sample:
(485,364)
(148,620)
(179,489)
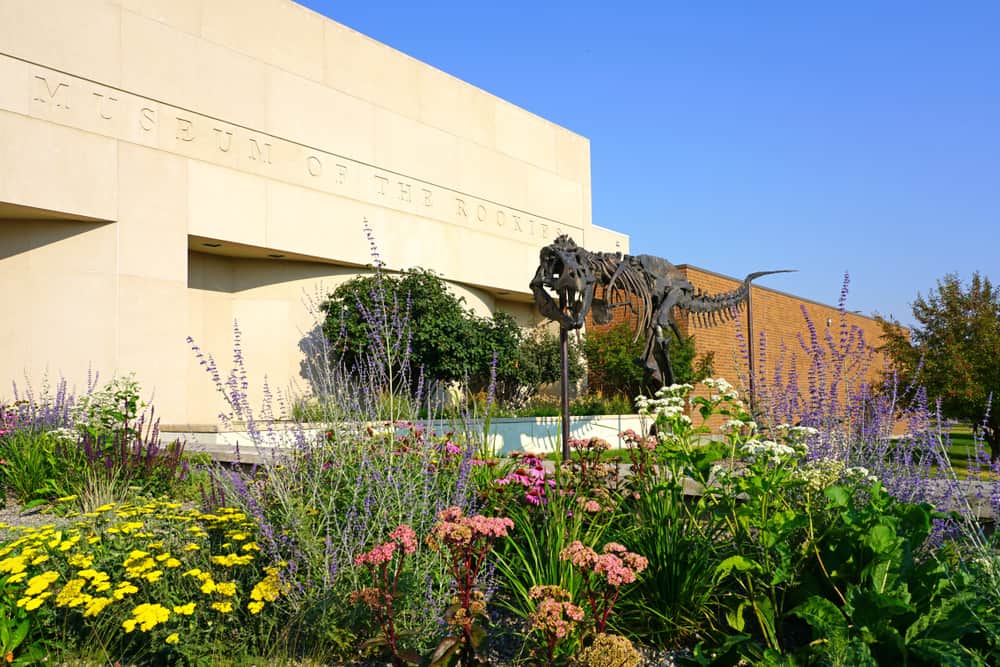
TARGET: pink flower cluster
(615,564)
(532,476)
(633,439)
(555,616)
(403,536)
(604,574)
(454,529)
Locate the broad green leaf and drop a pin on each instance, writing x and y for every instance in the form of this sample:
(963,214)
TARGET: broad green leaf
(882,540)
(946,654)
(738,563)
(735,617)
(824,617)
(838,495)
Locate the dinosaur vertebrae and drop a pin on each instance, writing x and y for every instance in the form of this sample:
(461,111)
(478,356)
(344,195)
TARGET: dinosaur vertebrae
(626,283)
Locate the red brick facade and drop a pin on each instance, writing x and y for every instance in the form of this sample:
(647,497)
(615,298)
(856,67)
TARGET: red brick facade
(778,317)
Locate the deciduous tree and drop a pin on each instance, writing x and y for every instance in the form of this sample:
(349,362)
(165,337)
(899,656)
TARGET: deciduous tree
(954,350)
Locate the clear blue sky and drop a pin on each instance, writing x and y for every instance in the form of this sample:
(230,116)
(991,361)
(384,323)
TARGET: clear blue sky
(859,136)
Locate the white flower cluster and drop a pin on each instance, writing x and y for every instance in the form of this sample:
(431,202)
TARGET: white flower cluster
(722,390)
(860,474)
(795,434)
(821,473)
(669,403)
(737,426)
(767,450)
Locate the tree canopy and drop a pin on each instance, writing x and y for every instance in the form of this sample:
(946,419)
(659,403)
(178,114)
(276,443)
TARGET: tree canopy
(954,350)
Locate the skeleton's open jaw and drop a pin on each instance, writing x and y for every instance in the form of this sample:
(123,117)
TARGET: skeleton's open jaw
(576,304)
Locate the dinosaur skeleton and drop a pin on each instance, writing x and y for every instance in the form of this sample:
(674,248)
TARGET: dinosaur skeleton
(650,287)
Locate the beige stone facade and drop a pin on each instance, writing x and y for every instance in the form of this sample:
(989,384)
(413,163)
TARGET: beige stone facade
(168,166)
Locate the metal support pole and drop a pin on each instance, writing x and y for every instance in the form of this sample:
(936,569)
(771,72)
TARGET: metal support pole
(750,346)
(564,353)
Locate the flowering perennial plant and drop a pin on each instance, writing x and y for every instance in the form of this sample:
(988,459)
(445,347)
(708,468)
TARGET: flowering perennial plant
(555,618)
(531,476)
(152,569)
(604,574)
(381,597)
(468,540)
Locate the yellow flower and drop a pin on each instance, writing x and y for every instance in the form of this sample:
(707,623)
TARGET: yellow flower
(238,537)
(185,609)
(96,605)
(35,603)
(208,587)
(15,578)
(222,607)
(66,499)
(268,588)
(251,546)
(162,557)
(230,560)
(80,560)
(147,616)
(70,596)
(191,546)
(195,572)
(14,564)
(153,577)
(155,545)
(123,589)
(93,540)
(255,607)
(226,588)
(104,508)
(172,562)
(38,560)
(173,638)
(40,582)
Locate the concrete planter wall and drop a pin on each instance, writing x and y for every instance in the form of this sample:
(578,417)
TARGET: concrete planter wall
(538,434)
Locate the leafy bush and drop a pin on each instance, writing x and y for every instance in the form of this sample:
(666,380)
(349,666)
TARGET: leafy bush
(612,353)
(440,336)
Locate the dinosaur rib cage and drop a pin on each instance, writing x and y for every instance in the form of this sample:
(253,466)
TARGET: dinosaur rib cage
(624,285)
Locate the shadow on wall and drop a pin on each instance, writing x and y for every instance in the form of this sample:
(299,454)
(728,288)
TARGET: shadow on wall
(42,232)
(222,273)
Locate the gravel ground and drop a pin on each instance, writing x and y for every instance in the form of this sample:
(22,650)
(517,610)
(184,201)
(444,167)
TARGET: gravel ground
(12,514)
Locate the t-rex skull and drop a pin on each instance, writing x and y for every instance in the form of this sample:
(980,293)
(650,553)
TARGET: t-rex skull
(565,269)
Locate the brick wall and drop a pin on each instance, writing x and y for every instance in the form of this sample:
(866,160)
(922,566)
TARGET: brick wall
(777,316)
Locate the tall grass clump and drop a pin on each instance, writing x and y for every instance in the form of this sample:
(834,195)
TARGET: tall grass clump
(97,446)
(329,491)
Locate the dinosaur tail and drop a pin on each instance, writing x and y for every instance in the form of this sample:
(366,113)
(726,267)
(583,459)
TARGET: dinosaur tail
(711,309)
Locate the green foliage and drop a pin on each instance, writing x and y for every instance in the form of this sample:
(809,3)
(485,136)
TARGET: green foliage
(37,465)
(538,361)
(446,340)
(531,556)
(611,361)
(952,351)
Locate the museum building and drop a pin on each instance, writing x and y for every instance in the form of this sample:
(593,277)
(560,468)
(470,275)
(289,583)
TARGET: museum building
(170,166)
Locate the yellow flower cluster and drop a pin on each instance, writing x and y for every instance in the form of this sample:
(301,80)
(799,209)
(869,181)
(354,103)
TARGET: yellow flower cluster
(266,590)
(129,551)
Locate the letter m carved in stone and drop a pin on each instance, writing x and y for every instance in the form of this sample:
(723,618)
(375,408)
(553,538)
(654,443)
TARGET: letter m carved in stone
(48,94)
